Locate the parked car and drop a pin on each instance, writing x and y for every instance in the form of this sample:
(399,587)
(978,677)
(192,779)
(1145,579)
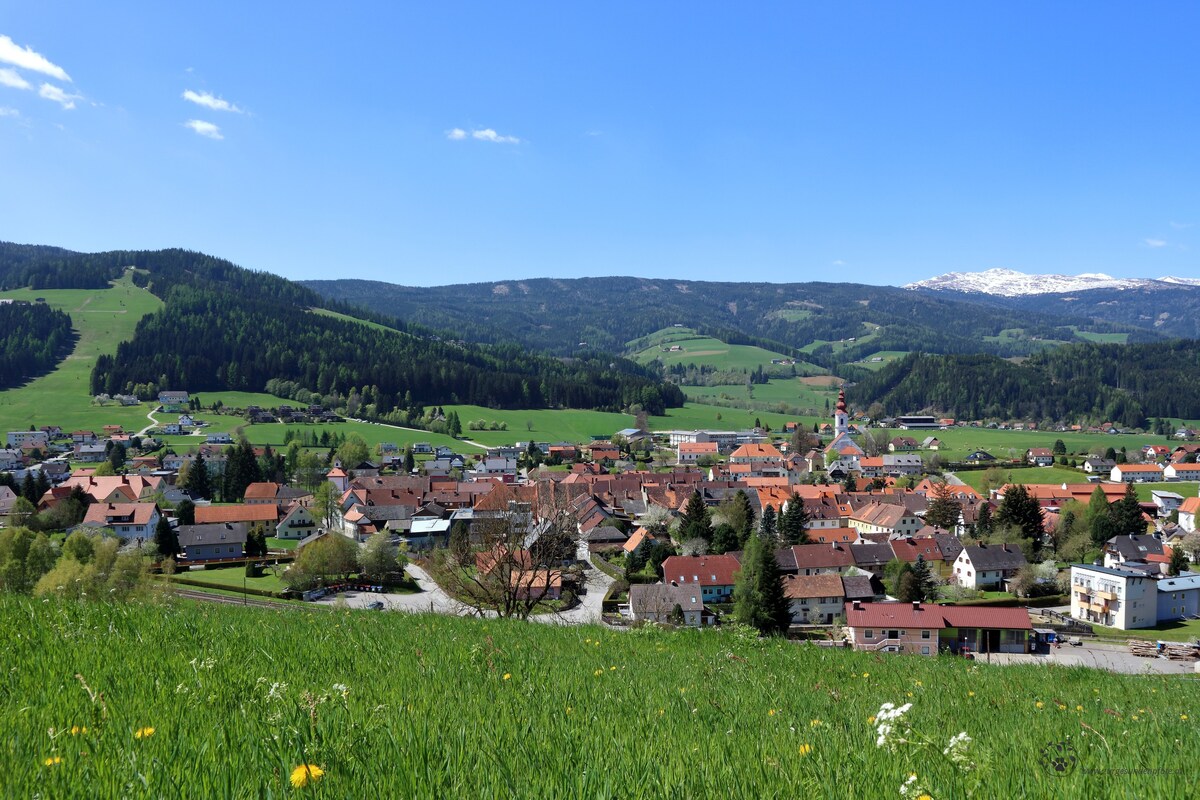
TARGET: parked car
(375,605)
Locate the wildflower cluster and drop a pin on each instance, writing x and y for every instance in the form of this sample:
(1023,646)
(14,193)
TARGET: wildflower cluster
(884,725)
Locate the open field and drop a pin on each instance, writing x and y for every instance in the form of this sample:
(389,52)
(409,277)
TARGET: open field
(233,577)
(335,315)
(239,697)
(1058,475)
(707,351)
(103,318)
(885,356)
(959,442)
(792,392)
(1178,631)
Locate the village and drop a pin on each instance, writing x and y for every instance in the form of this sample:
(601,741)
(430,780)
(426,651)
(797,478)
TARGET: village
(873,552)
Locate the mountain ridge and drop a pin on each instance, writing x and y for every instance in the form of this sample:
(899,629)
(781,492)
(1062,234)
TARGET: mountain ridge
(1012,283)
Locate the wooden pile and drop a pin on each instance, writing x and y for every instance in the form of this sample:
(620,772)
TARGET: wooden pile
(1175,652)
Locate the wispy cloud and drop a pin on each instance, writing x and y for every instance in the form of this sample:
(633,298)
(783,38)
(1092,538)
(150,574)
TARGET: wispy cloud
(55,93)
(11,78)
(9,112)
(482,134)
(211,101)
(206,129)
(1155,242)
(26,58)
(1181,226)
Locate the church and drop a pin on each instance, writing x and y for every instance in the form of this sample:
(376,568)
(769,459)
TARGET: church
(843,453)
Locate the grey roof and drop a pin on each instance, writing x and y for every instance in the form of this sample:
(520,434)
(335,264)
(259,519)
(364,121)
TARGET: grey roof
(996,556)
(1142,571)
(386,513)
(949,545)
(857,587)
(662,598)
(1181,583)
(871,554)
(607,533)
(216,533)
(1135,547)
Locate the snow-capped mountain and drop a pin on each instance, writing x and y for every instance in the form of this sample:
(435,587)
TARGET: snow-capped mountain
(1010,283)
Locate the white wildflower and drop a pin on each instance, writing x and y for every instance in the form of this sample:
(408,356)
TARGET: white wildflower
(888,713)
(958,749)
(912,787)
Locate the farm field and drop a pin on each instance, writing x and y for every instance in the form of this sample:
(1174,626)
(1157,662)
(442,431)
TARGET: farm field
(707,351)
(271,690)
(959,442)
(1025,475)
(886,356)
(103,318)
(789,391)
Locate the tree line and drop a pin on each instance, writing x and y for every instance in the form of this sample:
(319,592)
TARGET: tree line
(33,339)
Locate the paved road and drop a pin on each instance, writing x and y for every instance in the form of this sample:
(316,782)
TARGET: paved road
(953,480)
(153,422)
(1111,657)
(432,598)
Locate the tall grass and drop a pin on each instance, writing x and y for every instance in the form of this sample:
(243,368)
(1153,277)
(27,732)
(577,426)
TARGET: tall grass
(430,706)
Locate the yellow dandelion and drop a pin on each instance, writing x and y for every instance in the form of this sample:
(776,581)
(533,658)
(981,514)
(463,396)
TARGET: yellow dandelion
(52,761)
(910,694)
(569,709)
(1183,717)
(1134,717)
(661,712)
(771,713)
(918,683)
(816,723)
(924,797)
(305,774)
(970,694)
(1061,707)
(1040,704)
(76,730)
(612,668)
(598,673)
(866,674)
(871,720)
(143,733)
(1079,708)
(805,749)
(507,676)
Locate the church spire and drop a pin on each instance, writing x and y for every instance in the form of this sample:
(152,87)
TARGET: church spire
(841,417)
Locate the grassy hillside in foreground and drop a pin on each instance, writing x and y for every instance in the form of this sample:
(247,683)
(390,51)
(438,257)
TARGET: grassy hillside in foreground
(103,318)
(421,706)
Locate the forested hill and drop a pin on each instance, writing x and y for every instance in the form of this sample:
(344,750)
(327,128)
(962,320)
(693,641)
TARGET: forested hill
(225,327)
(556,315)
(1124,384)
(33,339)
(1169,309)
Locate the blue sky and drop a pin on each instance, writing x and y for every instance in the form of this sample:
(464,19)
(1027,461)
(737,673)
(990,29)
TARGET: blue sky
(457,142)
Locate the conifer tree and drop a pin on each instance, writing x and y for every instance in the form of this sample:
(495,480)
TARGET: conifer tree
(758,598)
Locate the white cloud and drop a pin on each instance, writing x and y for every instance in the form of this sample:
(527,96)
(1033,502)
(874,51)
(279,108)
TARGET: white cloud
(481,134)
(10,78)
(9,112)
(55,93)
(26,58)
(1155,242)
(206,129)
(210,101)
(1181,226)
(489,135)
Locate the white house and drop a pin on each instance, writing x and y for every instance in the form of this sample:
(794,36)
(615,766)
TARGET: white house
(296,524)
(1182,472)
(987,566)
(1136,473)
(656,602)
(218,438)
(127,520)
(1116,598)
(1187,514)
(1166,502)
(19,439)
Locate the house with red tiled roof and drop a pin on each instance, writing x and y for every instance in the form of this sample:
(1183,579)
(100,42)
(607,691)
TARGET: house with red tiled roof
(892,519)
(815,559)
(713,574)
(814,599)
(923,629)
(1040,456)
(261,493)
(1136,473)
(250,514)
(130,521)
(692,452)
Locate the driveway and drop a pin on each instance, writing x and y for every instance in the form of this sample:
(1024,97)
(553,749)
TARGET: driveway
(590,604)
(1111,657)
(430,598)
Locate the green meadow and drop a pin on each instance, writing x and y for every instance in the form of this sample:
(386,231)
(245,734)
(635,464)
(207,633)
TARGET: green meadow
(103,318)
(188,700)
(707,351)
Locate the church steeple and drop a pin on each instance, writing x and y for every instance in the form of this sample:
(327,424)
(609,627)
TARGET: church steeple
(841,418)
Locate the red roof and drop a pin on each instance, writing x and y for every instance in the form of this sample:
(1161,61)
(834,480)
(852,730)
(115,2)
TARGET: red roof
(700,570)
(262,491)
(905,615)
(253,513)
(119,513)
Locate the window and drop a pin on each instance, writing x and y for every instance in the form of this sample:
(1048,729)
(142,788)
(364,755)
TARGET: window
(924,634)
(924,649)
(869,634)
